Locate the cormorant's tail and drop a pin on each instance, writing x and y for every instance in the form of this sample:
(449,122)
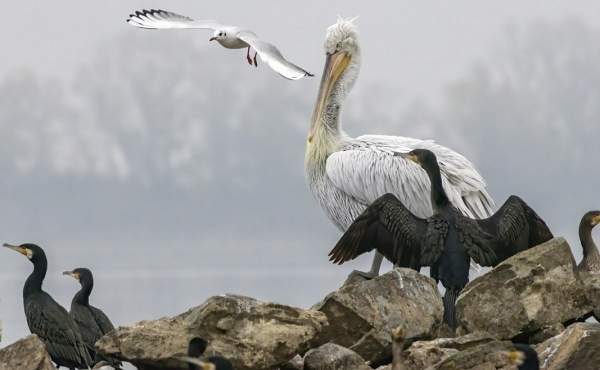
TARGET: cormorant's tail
(450,306)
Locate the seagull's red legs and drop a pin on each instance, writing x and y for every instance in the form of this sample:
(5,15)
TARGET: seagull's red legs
(248,56)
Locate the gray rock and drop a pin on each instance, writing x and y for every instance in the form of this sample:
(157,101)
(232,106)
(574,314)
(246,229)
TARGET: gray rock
(546,333)
(331,356)
(362,313)
(577,348)
(26,354)
(486,356)
(296,363)
(526,292)
(252,334)
(425,354)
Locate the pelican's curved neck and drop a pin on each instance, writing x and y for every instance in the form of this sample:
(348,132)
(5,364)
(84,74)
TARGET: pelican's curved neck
(325,130)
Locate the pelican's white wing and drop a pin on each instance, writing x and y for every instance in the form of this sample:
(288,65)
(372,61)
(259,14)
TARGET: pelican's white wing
(162,19)
(273,57)
(369,166)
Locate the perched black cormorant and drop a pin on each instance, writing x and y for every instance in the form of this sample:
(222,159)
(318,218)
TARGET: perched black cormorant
(445,241)
(92,322)
(525,357)
(591,256)
(47,319)
(196,348)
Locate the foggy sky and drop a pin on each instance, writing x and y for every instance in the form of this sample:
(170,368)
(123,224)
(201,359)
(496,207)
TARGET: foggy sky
(174,171)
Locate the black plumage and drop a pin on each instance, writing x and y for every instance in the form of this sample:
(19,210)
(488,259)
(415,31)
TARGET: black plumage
(47,319)
(92,322)
(446,241)
(196,348)
(525,357)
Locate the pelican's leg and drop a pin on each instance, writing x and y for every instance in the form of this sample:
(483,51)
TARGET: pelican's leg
(375,266)
(255,54)
(248,56)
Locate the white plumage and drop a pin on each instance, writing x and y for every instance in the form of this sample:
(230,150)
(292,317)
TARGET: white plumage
(347,174)
(230,37)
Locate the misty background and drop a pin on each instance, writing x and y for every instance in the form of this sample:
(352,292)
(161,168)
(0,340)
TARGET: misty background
(174,170)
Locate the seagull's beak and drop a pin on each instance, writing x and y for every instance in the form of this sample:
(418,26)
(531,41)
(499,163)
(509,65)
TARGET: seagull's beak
(212,39)
(24,251)
(335,65)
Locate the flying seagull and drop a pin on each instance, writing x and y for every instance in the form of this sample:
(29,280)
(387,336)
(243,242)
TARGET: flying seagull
(230,37)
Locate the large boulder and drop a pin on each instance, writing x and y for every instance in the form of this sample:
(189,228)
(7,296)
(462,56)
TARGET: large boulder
(531,290)
(26,354)
(254,335)
(362,313)
(331,356)
(487,356)
(577,348)
(424,354)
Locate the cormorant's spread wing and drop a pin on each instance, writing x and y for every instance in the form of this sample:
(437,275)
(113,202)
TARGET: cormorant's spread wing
(387,226)
(273,57)
(162,19)
(434,240)
(51,322)
(370,166)
(517,226)
(102,320)
(479,244)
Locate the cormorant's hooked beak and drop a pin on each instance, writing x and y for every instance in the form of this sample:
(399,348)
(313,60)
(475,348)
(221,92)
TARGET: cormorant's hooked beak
(212,39)
(335,65)
(24,251)
(515,357)
(72,274)
(411,157)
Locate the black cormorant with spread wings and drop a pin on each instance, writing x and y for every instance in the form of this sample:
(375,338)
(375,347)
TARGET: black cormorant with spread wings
(92,322)
(446,241)
(47,319)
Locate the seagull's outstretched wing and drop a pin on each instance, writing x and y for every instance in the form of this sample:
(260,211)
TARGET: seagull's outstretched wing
(272,56)
(162,19)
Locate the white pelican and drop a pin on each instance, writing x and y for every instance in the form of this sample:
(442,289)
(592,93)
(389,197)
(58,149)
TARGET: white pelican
(230,37)
(347,174)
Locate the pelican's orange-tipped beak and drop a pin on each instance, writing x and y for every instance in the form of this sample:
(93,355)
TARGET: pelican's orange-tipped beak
(335,65)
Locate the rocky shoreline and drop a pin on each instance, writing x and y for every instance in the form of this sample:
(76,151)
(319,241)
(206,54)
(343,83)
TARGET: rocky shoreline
(535,297)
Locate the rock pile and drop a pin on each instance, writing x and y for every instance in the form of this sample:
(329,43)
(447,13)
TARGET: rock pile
(536,296)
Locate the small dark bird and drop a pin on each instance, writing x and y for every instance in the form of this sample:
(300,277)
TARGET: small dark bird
(445,241)
(591,256)
(47,319)
(92,322)
(525,357)
(196,348)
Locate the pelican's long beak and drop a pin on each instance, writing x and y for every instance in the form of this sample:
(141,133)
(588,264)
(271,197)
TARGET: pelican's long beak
(24,251)
(212,39)
(335,65)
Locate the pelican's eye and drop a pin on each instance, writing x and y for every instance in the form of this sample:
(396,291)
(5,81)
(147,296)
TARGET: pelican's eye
(338,46)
